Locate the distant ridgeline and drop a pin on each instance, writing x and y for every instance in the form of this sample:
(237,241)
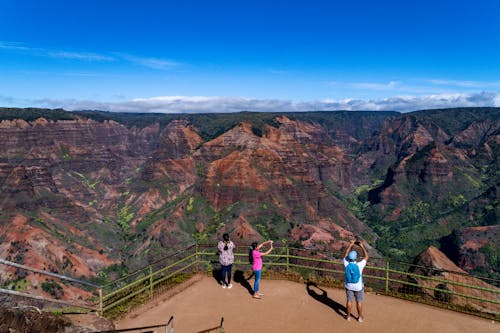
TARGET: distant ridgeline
(111,191)
(210,125)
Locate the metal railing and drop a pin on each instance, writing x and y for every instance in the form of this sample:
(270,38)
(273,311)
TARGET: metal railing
(449,289)
(216,329)
(143,284)
(51,291)
(454,290)
(163,328)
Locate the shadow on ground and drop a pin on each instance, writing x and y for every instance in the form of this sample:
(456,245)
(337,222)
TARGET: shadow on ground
(322,296)
(239,277)
(217,274)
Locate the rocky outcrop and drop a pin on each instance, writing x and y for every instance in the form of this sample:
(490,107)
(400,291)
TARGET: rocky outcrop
(474,248)
(445,275)
(31,319)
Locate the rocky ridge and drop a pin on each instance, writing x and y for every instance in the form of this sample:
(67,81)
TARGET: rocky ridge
(84,197)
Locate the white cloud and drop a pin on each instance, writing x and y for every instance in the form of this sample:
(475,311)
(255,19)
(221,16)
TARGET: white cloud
(392,85)
(154,63)
(465,83)
(79,56)
(13,46)
(149,62)
(217,104)
(496,100)
(58,54)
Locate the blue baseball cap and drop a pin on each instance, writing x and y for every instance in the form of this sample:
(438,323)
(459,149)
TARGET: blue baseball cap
(353,255)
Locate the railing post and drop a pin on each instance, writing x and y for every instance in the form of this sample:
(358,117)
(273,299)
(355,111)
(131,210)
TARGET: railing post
(287,258)
(387,276)
(171,324)
(150,281)
(196,256)
(100,302)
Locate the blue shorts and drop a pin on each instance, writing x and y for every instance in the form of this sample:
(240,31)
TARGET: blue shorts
(359,295)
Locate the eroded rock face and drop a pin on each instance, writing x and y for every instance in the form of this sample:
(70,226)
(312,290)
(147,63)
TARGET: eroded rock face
(87,190)
(448,276)
(474,248)
(287,167)
(419,153)
(57,180)
(16,320)
(32,320)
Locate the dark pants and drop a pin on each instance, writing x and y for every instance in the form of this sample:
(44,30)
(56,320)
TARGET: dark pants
(226,271)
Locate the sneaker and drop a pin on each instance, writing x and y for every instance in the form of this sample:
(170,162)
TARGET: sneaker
(230,286)
(361,319)
(223,286)
(348,318)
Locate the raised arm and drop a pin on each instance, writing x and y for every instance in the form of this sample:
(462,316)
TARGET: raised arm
(261,245)
(270,248)
(365,253)
(348,248)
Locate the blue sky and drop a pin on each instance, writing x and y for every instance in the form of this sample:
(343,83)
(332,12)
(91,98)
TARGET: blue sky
(218,56)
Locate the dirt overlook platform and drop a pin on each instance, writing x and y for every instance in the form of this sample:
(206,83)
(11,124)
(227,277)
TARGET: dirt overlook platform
(294,307)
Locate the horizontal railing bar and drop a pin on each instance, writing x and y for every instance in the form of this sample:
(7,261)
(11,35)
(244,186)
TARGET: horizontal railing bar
(132,284)
(144,278)
(429,278)
(161,270)
(124,298)
(40,271)
(445,291)
(132,329)
(173,273)
(145,268)
(146,287)
(372,267)
(382,269)
(18,293)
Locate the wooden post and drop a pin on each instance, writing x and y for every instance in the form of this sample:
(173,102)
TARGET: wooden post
(100,302)
(150,281)
(387,276)
(287,258)
(196,256)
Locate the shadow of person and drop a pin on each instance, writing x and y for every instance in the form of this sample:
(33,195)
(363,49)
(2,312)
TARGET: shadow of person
(217,274)
(239,277)
(322,296)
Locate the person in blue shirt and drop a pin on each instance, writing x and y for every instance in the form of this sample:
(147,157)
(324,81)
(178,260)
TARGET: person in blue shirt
(354,279)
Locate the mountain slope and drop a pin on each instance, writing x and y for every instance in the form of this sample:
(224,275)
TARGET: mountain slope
(129,188)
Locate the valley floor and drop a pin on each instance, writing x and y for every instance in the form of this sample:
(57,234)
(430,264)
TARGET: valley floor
(293,307)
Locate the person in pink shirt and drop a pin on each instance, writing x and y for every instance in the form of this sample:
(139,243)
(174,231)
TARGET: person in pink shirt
(255,258)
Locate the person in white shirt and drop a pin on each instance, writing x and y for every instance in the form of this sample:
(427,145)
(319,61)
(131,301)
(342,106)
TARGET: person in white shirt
(226,259)
(354,279)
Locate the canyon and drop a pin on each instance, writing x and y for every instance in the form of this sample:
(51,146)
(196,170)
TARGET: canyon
(94,194)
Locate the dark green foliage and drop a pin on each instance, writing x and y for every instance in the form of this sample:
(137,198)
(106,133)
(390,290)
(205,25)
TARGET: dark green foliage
(359,124)
(441,293)
(30,114)
(456,119)
(491,253)
(53,288)
(110,273)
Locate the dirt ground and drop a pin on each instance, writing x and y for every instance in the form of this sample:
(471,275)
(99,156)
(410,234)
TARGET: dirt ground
(293,307)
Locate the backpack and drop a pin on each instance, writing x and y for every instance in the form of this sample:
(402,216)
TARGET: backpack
(352,273)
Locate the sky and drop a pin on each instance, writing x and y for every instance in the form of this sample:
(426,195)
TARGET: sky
(229,56)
